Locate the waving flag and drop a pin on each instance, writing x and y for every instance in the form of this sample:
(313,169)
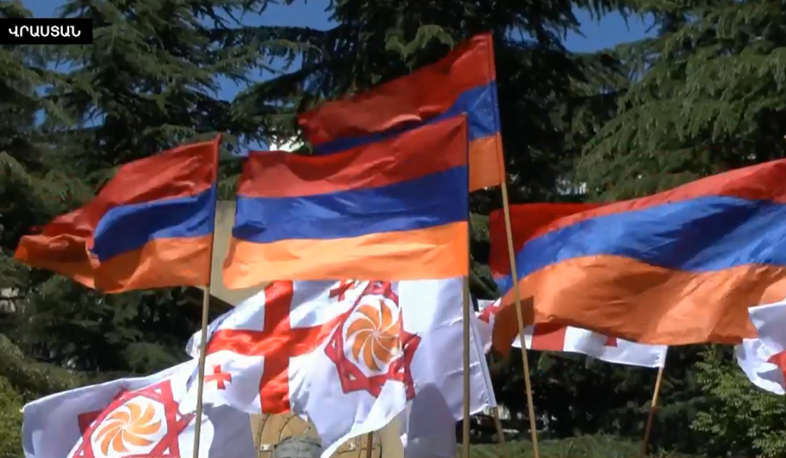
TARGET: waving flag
(576,340)
(428,425)
(527,221)
(763,359)
(146,417)
(380,211)
(348,354)
(679,267)
(462,82)
(149,227)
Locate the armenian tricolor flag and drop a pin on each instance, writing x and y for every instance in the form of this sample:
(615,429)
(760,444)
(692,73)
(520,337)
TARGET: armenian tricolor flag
(149,227)
(392,210)
(462,82)
(679,267)
(526,221)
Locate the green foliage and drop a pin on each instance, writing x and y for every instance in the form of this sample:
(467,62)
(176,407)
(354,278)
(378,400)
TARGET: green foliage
(23,380)
(28,187)
(737,419)
(709,96)
(620,398)
(33,380)
(577,447)
(10,421)
(139,332)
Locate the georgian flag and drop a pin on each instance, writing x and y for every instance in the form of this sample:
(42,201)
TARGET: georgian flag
(145,417)
(348,355)
(576,340)
(764,359)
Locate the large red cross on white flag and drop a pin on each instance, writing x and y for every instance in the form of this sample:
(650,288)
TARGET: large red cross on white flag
(268,333)
(347,354)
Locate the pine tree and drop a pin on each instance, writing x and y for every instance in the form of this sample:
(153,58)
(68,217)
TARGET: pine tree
(736,418)
(148,82)
(34,184)
(31,186)
(709,97)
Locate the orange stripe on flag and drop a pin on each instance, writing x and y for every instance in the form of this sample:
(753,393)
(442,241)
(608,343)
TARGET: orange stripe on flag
(436,252)
(648,304)
(160,263)
(65,254)
(486,165)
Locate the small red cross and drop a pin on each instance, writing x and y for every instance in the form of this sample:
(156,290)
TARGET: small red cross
(277,342)
(340,291)
(219,377)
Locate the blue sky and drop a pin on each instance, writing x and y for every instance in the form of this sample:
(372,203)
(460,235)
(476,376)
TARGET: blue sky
(609,31)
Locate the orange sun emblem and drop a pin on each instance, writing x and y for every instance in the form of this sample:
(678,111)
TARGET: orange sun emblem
(132,424)
(371,346)
(376,335)
(144,423)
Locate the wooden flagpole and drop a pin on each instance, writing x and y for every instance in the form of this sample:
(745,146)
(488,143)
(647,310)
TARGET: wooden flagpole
(653,409)
(514,274)
(465,425)
(467,310)
(203,336)
(498,426)
(369,443)
(517,302)
(202,358)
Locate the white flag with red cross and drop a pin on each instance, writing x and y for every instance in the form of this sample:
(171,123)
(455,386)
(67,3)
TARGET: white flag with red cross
(146,417)
(348,355)
(575,340)
(764,359)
